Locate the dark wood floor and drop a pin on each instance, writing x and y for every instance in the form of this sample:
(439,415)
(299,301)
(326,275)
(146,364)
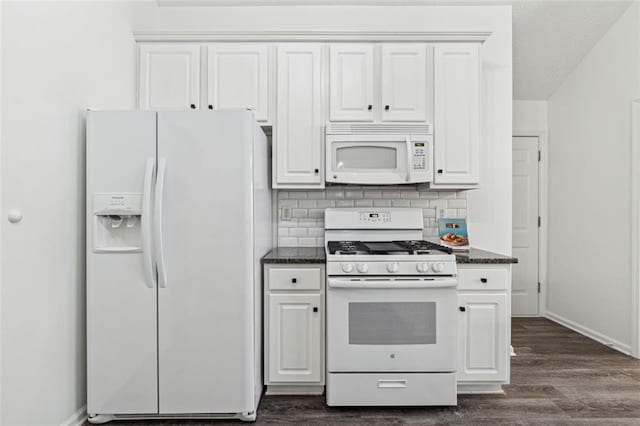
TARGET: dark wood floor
(558,377)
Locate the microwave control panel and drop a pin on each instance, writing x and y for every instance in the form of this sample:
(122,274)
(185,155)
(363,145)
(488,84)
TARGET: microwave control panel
(419,156)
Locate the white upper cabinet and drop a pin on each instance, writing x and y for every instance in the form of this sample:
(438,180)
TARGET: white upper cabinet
(404,82)
(169,76)
(457,109)
(238,78)
(351,82)
(298,133)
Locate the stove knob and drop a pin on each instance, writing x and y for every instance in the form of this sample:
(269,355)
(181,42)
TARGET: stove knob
(347,267)
(363,268)
(438,267)
(422,267)
(393,267)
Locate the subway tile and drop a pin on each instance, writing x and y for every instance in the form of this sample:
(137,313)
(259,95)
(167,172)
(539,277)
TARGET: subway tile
(306,204)
(352,195)
(400,203)
(420,203)
(293,223)
(323,204)
(344,203)
(364,203)
(334,194)
(432,195)
(382,203)
(288,203)
(283,232)
(307,242)
(282,195)
(307,223)
(390,194)
(315,232)
(461,195)
(316,195)
(429,212)
(462,213)
(297,195)
(298,232)
(457,204)
(409,194)
(287,242)
(372,194)
(445,195)
(299,213)
(316,213)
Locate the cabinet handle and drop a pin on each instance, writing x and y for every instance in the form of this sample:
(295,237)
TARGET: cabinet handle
(193,106)
(210,106)
(483,280)
(294,280)
(315,309)
(370,107)
(386,107)
(440,171)
(316,171)
(462,309)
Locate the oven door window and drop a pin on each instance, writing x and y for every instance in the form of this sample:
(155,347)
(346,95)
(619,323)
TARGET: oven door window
(358,157)
(392,323)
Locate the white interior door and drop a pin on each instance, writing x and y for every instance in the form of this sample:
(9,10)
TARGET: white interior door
(205,251)
(525,226)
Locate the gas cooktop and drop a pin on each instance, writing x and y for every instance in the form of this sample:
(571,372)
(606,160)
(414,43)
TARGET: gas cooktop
(386,247)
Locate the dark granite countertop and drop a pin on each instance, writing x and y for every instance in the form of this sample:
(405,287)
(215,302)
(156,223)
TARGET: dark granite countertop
(475,255)
(284,255)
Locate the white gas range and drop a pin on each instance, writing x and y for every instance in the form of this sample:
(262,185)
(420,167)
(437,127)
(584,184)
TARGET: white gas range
(391,310)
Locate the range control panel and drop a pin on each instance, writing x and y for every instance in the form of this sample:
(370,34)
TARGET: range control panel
(375,217)
(419,156)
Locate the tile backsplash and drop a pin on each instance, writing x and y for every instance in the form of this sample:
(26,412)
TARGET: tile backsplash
(306,226)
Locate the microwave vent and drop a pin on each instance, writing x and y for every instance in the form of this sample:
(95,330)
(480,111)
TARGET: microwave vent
(379,128)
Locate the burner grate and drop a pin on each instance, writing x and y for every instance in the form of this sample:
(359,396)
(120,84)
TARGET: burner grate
(368,247)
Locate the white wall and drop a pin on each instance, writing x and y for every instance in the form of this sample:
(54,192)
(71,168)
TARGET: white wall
(590,178)
(58,59)
(489,207)
(530,117)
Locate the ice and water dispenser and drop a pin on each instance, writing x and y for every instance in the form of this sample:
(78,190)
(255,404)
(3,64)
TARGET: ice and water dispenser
(117,226)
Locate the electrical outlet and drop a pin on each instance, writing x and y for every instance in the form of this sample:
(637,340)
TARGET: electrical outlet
(441,208)
(285,213)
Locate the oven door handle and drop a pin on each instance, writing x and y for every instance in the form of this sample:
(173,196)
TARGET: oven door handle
(393,284)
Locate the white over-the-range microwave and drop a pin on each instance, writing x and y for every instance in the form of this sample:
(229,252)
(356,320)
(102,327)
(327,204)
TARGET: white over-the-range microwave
(379,153)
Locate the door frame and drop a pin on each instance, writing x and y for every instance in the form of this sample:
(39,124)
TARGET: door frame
(635,228)
(543,204)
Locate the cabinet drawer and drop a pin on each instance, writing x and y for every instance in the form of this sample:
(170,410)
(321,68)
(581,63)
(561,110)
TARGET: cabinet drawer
(295,279)
(483,279)
(391,389)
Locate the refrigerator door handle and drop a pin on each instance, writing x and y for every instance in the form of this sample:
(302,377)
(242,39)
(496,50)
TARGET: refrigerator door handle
(157,223)
(145,223)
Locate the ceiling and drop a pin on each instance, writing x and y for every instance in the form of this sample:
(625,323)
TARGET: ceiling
(550,37)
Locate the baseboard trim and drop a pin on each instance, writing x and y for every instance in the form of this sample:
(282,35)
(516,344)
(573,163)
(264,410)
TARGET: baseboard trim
(586,331)
(77,418)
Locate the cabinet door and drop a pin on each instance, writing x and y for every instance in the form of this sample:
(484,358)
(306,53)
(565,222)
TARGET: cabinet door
(299,127)
(456,104)
(483,342)
(404,82)
(169,76)
(294,338)
(351,82)
(238,77)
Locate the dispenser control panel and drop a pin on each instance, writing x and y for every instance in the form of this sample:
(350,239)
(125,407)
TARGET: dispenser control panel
(113,204)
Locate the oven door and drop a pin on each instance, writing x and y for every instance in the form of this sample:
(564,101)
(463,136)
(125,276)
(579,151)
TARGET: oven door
(399,324)
(378,159)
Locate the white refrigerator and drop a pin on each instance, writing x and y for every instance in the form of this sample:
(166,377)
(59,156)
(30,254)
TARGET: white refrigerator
(178,218)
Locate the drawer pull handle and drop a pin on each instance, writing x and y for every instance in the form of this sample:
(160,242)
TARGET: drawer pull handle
(483,280)
(392,383)
(294,280)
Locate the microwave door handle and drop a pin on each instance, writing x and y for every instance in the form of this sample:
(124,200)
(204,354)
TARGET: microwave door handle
(409,163)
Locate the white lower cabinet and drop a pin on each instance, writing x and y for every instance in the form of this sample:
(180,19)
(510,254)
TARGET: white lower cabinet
(483,328)
(294,329)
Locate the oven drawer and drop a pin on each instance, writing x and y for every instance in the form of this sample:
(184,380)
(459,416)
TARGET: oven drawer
(483,279)
(295,278)
(391,389)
